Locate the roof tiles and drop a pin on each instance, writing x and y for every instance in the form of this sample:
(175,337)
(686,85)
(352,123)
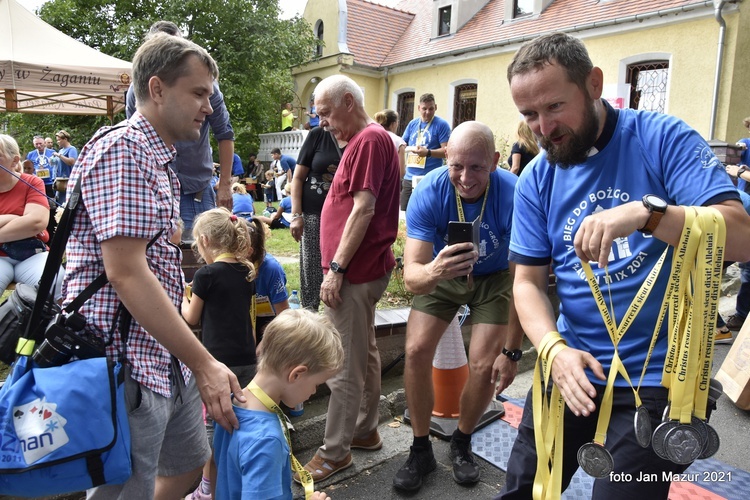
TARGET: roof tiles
(383,36)
(373,30)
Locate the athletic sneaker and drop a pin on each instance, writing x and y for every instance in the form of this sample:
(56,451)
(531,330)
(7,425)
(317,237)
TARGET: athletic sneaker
(419,464)
(465,468)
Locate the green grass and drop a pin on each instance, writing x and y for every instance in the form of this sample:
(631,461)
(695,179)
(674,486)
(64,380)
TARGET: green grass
(282,244)
(292,276)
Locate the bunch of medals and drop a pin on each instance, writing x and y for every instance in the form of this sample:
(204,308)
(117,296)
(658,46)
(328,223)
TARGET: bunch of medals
(691,298)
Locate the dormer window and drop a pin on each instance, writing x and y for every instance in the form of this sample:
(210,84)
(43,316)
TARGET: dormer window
(522,8)
(444,21)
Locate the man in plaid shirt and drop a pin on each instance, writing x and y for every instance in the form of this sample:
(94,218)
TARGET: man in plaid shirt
(129,198)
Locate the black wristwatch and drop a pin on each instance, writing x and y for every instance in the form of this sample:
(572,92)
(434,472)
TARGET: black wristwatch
(429,153)
(656,208)
(336,268)
(514,355)
(741,171)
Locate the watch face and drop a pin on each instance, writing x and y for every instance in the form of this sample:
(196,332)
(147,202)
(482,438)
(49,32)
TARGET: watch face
(656,202)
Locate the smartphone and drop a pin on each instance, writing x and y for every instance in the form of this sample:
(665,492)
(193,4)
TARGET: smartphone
(463,232)
(460,232)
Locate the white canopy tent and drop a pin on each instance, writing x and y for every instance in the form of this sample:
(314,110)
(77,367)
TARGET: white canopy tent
(44,71)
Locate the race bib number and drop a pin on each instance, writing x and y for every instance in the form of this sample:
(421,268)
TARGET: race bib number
(415,161)
(43,173)
(263,307)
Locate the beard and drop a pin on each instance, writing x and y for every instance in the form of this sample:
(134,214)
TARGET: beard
(576,149)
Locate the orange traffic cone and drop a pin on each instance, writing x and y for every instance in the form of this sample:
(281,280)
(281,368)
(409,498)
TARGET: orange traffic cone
(450,371)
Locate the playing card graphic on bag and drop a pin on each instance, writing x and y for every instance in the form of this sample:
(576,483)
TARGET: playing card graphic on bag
(39,429)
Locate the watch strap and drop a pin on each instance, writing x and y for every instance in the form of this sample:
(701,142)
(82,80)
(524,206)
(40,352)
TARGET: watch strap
(653,221)
(514,355)
(336,268)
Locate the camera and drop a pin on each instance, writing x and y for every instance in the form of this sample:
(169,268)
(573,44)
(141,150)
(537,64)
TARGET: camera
(65,338)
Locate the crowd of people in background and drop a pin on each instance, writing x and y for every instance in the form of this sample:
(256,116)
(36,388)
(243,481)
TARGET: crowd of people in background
(340,198)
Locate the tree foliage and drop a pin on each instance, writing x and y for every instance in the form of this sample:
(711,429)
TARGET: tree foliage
(252,46)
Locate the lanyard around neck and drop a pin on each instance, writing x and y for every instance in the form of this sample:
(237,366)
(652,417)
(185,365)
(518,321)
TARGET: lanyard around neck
(225,255)
(422,131)
(270,404)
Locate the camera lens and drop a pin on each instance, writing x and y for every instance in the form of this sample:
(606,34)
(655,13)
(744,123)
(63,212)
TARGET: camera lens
(50,353)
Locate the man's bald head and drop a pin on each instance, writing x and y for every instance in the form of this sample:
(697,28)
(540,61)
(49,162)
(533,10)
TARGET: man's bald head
(472,135)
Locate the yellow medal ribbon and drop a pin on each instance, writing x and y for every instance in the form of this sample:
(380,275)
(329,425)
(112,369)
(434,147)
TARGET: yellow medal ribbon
(225,255)
(548,419)
(304,474)
(690,354)
(696,272)
(615,334)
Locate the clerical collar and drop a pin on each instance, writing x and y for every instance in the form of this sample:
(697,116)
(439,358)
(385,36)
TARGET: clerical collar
(610,123)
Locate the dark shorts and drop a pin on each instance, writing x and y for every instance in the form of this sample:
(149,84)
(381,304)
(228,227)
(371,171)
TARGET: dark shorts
(488,299)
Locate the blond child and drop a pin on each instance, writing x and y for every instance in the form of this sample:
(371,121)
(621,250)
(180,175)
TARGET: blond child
(269,188)
(301,350)
(219,299)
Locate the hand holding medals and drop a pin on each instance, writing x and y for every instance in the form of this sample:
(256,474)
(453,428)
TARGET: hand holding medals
(684,435)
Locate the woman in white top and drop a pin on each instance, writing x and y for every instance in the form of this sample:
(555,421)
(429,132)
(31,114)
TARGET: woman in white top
(389,120)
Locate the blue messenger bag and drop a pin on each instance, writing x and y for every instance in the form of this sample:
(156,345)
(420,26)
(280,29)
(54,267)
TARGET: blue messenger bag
(63,419)
(64,428)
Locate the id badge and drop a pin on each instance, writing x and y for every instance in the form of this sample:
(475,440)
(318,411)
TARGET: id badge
(43,173)
(415,161)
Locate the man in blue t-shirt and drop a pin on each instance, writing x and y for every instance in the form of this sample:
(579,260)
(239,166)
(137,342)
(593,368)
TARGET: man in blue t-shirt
(42,158)
(66,158)
(444,275)
(426,137)
(283,168)
(609,187)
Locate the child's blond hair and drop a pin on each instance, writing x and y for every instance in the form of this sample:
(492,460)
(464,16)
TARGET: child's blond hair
(225,233)
(300,337)
(238,188)
(269,174)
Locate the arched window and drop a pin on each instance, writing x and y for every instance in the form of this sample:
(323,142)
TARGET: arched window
(405,110)
(464,103)
(319,36)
